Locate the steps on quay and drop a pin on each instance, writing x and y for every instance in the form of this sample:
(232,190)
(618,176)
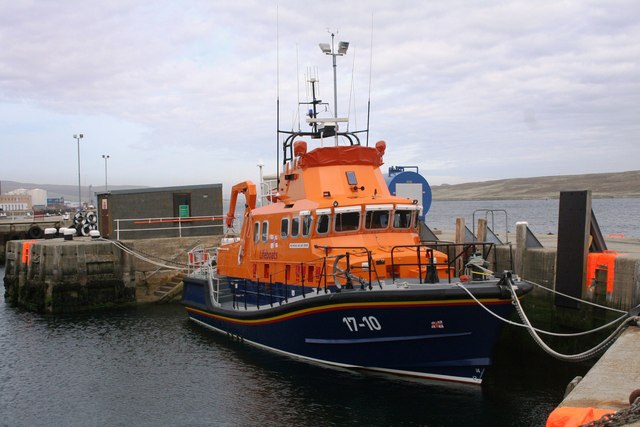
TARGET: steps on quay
(168,290)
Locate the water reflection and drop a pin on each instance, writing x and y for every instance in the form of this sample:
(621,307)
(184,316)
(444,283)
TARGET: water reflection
(151,366)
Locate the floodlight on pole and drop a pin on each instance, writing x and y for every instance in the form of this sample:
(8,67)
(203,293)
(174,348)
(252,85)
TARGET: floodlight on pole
(78,137)
(330,50)
(325,47)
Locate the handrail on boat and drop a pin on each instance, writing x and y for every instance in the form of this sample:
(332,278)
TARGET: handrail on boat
(461,252)
(431,275)
(240,295)
(347,254)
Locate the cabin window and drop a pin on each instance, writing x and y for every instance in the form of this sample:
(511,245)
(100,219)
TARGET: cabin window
(416,223)
(402,218)
(284,228)
(375,220)
(351,178)
(295,226)
(256,232)
(265,231)
(323,224)
(347,221)
(307,221)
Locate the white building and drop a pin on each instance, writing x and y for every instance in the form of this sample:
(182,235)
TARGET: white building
(15,202)
(38,197)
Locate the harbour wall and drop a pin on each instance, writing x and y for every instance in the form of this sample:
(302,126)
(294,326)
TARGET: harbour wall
(62,276)
(538,265)
(56,276)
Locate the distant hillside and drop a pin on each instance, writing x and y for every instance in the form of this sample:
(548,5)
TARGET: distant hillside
(622,184)
(69,192)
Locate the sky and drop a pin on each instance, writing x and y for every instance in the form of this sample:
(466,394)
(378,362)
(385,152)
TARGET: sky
(186,93)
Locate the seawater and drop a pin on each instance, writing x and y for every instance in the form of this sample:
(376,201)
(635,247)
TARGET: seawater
(614,215)
(150,366)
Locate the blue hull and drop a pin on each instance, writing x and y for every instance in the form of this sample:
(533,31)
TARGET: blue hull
(431,333)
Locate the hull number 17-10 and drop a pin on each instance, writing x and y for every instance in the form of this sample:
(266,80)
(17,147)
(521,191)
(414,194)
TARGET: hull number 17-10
(366,323)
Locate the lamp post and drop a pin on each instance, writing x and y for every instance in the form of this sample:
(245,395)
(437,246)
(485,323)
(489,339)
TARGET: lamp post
(105,157)
(78,137)
(330,50)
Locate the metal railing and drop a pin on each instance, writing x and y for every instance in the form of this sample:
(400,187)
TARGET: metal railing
(460,254)
(178,224)
(278,288)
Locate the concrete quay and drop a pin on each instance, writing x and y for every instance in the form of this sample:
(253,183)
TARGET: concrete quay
(538,264)
(607,387)
(26,228)
(61,276)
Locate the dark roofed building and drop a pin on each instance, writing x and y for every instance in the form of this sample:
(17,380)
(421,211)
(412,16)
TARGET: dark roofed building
(183,211)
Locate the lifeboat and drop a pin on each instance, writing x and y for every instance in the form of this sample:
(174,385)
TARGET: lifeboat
(331,269)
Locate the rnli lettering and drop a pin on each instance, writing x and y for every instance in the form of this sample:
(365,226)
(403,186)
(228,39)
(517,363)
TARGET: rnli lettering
(268,255)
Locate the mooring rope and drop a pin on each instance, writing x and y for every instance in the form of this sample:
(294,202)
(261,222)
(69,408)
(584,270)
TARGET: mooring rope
(592,352)
(139,255)
(578,357)
(593,304)
(541,331)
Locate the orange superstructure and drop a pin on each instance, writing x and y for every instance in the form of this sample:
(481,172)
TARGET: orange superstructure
(331,201)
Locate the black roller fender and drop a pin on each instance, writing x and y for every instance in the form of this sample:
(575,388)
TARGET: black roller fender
(35,232)
(91,218)
(78,218)
(85,229)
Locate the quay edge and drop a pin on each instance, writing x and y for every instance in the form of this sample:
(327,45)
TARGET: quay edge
(56,276)
(606,388)
(83,274)
(26,229)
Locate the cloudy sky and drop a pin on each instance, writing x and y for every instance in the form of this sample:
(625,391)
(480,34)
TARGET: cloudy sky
(180,93)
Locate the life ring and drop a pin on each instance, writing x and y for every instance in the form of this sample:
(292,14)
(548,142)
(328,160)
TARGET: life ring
(35,232)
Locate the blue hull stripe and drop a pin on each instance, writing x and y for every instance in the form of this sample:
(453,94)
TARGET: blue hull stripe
(385,339)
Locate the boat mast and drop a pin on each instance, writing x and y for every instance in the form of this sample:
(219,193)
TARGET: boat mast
(330,50)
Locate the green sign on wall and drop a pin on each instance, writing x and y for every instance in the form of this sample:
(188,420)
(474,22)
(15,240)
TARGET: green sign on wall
(183,211)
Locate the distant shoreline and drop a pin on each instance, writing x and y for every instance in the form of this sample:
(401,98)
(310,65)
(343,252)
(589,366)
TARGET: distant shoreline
(602,186)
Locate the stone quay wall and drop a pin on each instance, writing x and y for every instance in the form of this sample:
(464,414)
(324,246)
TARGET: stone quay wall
(60,276)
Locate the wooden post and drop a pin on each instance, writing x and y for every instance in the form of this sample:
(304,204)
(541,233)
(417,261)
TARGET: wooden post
(460,232)
(521,247)
(482,230)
